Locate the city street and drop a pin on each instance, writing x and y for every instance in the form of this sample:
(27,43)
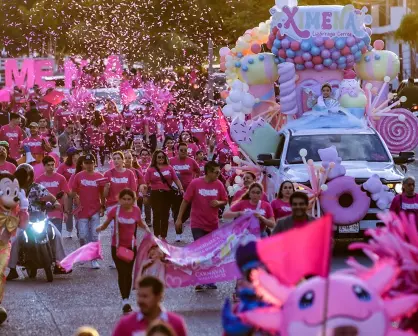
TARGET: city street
(91,297)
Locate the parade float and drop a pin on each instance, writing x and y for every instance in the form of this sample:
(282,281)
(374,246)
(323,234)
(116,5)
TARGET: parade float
(333,130)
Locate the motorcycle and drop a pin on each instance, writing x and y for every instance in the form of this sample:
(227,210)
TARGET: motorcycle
(36,245)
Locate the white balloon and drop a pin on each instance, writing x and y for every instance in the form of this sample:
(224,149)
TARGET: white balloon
(227,167)
(228,110)
(237,85)
(230,189)
(229,101)
(236,96)
(237,106)
(238,171)
(236,187)
(248,100)
(238,179)
(245,87)
(236,159)
(247,110)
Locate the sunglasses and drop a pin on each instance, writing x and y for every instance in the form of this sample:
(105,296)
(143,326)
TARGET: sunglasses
(160,157)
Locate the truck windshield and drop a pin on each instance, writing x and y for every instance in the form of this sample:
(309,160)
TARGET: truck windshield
(350,147)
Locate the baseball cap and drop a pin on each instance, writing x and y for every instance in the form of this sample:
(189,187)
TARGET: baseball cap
(4,144)
(72,150)
(33,124)
(88,157)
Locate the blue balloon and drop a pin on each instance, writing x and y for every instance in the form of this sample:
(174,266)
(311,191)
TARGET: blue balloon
(300,67)
(367,58)
(240,55)
(340,43)
(250,61)
(377,57)
(281,60)
(277,44)
(342,66)
(357,58)
(342,59)
(361,44)
(327,62)
(315,51)
(290,53)
(354,49)
(244,68)
(305,45)
(369,48)
(261,57)
(366,40)
(274,50)
(238,64)
(276,60)
(357,54)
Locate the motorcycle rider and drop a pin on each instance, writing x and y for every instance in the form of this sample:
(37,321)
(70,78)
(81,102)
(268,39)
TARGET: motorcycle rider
(37,196)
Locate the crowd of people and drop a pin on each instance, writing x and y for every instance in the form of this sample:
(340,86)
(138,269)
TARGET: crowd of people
(136,169)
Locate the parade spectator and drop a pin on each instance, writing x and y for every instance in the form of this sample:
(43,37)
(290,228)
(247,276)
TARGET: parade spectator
(46,132)
(66,139)
(407,201)
(187,138)
(299,202)
(172,122)
(150,126)
(186,169)
(248,179)
(281,205)
(201,161)
(160,328)
(4,114)
(159,178)
(5,167)
(169,148)
(97,137)
(13,134)
(127,217)
(37,145)
(252,201)
(57,185)
(88,192)
(63,116)
(5,144)
(33,115)
(223,153)
(149,294)
(205,195)
(114,123)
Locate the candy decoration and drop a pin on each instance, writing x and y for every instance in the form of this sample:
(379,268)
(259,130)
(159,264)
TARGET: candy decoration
(287,85)
(399,135)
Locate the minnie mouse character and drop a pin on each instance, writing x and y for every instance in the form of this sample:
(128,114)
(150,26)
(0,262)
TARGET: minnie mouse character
(13,214)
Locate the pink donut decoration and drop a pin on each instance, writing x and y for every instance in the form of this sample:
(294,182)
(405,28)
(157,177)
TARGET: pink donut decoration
(399,133)
(345,200)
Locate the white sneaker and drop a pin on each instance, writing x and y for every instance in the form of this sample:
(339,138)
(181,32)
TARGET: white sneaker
(178,237)
(95,264)
(112,264)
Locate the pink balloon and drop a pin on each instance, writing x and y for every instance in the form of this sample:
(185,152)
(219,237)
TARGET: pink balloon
(379,44)
(364,50)
(223,66)
(282,53)
(345,51)
(308,65)
(329,43)
(269,44)
(317,60)
(299,60)
(295,45)
(256,48)
(224,51)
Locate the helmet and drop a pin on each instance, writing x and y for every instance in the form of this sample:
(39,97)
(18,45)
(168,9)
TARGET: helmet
(25,175)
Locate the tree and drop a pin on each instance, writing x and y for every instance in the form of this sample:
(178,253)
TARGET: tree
(408,32)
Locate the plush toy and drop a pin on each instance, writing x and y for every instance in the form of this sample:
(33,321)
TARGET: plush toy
(380,193)
(13,214)
(329,155)
(351,94)
(355,306)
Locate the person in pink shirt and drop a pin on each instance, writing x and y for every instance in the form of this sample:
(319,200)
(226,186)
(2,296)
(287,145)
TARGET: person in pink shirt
(46,132)
(186,137)
(37,145)
(97,135)
(13,134)
(407,201)
(87,188)
(205,195)
(281,205)
(159,178)
(252,201)
(114,122)
(172,122)
(169,148)
(144,159)
(186,169)
(150,126)
(5,167)
(223,153)
(57,185)
(63,115)
(149,296)
(137,124)
(200,159)
(248,179)
(127,217)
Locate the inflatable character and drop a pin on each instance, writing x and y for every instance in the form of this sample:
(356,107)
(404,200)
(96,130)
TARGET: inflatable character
(354,305)
(13,214)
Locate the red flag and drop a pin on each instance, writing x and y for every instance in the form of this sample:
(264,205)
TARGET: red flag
(54,97)
(298,252)
(225,132)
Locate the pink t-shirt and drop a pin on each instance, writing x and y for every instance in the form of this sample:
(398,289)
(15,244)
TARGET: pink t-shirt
(192,149)
(171,125)
(88,188)
(14,136)
(44,108)
(224,153)
(66,171)
(114,122)
(35,144)
(200,193)
(280,208)
(139,177)
(63,116)
(55,183)
(128,221)
(186,170)
(7,167)
(128,116)
(264,210)
(202,167)
(200,135)
(144,166)
(119,181)
(135,324)
(407,204)
(152,125)
(242,192)
(152,178)
(137,125)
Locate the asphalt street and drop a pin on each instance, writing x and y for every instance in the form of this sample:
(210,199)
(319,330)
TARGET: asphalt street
(91,297)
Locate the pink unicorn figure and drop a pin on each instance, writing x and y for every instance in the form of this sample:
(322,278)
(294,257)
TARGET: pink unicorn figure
(353,304)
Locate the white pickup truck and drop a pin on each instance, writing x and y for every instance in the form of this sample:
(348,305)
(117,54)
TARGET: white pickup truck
(363,151)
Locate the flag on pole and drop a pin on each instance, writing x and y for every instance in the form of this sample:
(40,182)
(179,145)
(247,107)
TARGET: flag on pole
(294,254)
(225,133)
(54,97)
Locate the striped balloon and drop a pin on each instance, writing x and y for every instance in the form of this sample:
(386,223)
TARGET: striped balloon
(258,69)
(375,65)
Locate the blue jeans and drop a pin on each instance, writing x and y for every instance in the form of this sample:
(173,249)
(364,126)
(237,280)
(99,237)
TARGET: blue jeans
(87,229)
(197,234)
